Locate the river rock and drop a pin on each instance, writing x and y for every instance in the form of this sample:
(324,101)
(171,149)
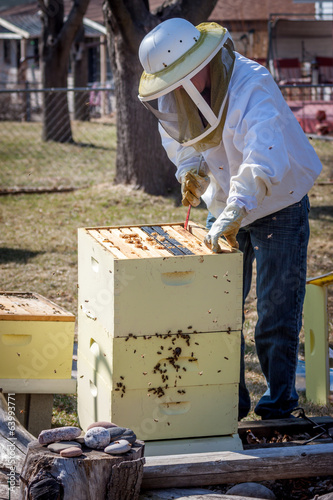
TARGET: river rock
(79,439)
(251,490)
(73,451)
(116,433)
(97,438)
(58,434)
(106,425)
(62,445)
(129,436)
(118,447)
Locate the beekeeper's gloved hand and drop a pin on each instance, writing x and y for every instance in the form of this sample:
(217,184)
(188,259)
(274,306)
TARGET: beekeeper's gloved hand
(194,183)
(227,224)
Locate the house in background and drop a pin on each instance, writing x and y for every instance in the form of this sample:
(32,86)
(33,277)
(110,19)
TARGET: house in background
(20,31)
(267,30)
(293,38)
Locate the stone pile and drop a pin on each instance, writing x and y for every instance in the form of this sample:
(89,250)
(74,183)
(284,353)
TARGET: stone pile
(102,436)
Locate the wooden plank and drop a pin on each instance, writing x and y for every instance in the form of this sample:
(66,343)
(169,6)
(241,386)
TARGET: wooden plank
(290,426)
(118,243)
(199,469)
(152,246)
(108,245)
(192,239)
(27,306)
(187,239)
(38,386)
(200,232)
(139,252)
(131,226)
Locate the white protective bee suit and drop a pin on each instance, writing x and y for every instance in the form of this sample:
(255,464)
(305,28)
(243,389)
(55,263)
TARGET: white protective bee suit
(261,140)
(260,164)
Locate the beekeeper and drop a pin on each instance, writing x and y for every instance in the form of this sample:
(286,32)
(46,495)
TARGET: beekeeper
(236,144)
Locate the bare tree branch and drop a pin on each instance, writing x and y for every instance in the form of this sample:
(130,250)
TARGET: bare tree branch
(42,6)
(74,20)
(197,12)
(194,11)
(133,20)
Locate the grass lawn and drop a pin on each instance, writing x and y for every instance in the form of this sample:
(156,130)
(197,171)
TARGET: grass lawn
(38,240)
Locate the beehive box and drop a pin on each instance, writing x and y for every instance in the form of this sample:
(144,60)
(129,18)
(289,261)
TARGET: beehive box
(159,334)
(36,337)
(142,288)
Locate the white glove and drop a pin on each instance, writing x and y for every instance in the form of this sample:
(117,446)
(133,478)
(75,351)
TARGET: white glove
(227,224)
(194,183)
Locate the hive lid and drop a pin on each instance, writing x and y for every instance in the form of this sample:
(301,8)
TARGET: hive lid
(158,240)
(27,306)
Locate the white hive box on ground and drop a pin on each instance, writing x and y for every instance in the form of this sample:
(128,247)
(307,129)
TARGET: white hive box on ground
(36,339)
(36,350)
(159,323)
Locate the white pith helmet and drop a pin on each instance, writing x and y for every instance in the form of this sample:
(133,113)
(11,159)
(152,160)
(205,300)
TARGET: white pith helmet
(171,55)
(166,43)
(175,48)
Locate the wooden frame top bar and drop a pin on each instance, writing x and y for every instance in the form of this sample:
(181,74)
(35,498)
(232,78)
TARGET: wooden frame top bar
(131,242)
(28,306)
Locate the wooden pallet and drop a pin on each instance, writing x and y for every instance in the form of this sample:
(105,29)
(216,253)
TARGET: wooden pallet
(255,463)
(132,242)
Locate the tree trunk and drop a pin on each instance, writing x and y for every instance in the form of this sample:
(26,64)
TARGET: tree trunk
(80,74)
(56,119)
(56,41)
(141,160)
(94,475)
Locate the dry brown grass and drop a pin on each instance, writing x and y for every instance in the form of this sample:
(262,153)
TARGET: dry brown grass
(38,248)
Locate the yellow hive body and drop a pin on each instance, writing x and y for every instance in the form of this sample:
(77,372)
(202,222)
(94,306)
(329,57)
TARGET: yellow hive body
(158,334)
(36,338)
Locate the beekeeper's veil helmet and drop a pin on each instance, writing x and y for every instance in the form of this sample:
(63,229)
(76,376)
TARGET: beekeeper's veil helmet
(171,55)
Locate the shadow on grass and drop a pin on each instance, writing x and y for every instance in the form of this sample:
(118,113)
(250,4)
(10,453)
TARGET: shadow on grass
(92,146)
(16,255)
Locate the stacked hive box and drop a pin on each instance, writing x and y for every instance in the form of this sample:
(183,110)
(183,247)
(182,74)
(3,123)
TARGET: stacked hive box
(36,337)
(158,334)
(36,350)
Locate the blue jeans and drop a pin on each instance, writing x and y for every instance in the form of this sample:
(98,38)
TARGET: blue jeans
(279,243)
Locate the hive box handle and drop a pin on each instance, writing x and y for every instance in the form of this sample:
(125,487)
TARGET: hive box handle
(17,340)
(178,278)
(175,408)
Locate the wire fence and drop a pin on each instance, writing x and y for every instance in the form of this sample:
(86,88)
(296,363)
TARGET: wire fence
(25,103)
(65,127)
(37,121)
